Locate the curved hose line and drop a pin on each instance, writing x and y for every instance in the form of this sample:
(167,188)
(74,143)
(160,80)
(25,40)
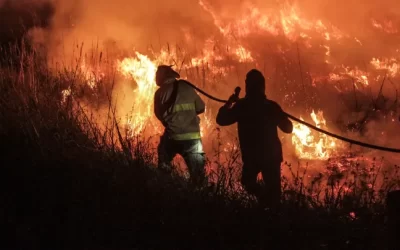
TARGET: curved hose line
(359,143)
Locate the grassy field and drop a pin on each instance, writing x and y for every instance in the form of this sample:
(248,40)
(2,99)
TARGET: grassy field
(69,184)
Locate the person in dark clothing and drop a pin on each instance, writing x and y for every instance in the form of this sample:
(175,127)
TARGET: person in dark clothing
(177,106)
(258,118)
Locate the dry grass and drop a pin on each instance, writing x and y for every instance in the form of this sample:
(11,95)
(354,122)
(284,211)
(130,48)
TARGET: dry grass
(69,183)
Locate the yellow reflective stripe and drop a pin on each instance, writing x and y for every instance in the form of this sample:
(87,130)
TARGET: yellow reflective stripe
(183,107)
(187,136)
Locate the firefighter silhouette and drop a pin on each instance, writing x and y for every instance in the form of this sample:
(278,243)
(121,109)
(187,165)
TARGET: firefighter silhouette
(257,119)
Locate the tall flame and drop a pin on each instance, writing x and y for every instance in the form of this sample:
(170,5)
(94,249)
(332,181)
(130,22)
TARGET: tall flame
(313,145)
(143,71)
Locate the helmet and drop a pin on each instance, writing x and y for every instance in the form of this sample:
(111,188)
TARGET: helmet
(165,72)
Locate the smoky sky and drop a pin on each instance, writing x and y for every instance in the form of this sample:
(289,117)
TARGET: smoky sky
(156,22)
(139,24)
(136,25)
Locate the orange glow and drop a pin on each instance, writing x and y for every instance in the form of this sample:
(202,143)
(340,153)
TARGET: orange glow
(386,26)
(390,65)
(260,37)
(92,75)
(143,72)
(312,145)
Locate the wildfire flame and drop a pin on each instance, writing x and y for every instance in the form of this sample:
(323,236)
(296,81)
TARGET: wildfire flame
(391,65)
(143,71)
(386,26)
(91,75)
(287,23)
(313,145)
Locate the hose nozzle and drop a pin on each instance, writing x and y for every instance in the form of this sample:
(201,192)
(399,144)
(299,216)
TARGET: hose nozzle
(237,92)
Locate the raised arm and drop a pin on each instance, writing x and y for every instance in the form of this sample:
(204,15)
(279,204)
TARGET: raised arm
(227,115)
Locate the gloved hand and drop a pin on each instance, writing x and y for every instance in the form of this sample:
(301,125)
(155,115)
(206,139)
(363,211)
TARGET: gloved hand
(233,98)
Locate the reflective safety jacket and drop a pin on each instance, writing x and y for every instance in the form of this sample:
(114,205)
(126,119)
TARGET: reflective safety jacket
(177,106)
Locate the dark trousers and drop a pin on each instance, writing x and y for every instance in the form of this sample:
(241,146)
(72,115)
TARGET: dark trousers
(191,151)
(269,192)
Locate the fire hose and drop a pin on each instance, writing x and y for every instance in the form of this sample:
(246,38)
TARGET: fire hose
(351,141)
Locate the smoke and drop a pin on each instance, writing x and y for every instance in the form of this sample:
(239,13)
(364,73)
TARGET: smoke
(140,24)
(18,16)
(128,24)
(367,29)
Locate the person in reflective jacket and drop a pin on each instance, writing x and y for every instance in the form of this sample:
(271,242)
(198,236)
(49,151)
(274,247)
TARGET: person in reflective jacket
(177,106)
(258,118)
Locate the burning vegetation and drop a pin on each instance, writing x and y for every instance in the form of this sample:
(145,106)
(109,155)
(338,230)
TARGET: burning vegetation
(310,50)
(78,99)
(319,146)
